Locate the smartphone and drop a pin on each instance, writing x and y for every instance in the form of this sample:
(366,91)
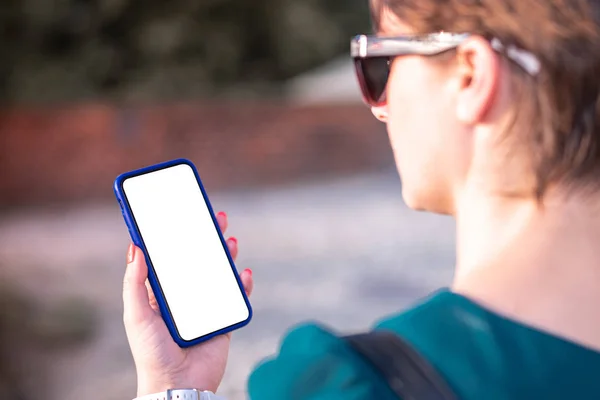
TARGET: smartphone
(190,270)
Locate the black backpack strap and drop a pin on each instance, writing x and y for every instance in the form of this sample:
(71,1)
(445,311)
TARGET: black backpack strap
(407,373)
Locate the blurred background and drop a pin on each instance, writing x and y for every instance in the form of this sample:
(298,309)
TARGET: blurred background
(261,96)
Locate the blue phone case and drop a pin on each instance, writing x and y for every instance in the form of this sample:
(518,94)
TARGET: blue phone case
(137,240)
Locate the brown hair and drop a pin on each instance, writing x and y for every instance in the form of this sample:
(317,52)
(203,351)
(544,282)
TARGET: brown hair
(561,106)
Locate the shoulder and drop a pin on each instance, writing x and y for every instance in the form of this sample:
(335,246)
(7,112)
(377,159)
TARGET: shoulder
(314,363)
(477,352)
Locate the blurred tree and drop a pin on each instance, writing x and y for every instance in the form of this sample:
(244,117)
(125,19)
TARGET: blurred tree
(64,50)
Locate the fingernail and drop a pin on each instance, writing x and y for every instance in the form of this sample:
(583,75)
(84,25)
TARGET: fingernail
(249,271)
(130,253)
(221,214)
(232,239)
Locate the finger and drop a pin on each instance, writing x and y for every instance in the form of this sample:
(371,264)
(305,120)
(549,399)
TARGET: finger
(151,298)
(222,220)
(136,304)
(232,245)
(247,281)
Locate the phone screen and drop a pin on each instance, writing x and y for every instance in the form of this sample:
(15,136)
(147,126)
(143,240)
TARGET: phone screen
(185,250)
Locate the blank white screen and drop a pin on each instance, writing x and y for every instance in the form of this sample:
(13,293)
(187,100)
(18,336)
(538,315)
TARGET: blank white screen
(185,249)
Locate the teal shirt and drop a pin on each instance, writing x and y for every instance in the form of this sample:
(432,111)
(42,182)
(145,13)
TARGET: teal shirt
(481,354)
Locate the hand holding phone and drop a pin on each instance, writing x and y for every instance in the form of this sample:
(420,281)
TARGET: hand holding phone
(160,363)
(195,293)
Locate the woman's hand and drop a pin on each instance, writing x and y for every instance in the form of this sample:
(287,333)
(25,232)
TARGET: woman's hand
(160,363)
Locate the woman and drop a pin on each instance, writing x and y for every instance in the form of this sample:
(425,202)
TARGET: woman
(496,121)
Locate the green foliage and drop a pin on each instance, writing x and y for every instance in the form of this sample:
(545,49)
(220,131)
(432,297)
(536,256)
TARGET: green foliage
(65,50)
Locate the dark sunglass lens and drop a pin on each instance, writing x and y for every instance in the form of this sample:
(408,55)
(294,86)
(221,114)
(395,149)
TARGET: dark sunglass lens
(375,71)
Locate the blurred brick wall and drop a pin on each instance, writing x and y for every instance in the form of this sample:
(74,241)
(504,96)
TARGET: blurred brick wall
(69,154)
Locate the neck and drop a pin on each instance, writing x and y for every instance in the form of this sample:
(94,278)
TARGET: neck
(539,265)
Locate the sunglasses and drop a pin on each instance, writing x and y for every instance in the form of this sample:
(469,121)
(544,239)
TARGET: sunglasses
(373,56)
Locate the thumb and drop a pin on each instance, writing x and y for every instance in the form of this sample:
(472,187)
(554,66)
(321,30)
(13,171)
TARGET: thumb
(136,304)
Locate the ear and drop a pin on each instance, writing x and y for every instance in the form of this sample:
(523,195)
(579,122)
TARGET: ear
(479,68)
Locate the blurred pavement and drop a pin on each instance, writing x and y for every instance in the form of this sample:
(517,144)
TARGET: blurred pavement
(345,252)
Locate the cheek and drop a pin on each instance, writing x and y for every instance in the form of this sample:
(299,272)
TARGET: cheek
(420,124)
(424,134)
(411,107)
